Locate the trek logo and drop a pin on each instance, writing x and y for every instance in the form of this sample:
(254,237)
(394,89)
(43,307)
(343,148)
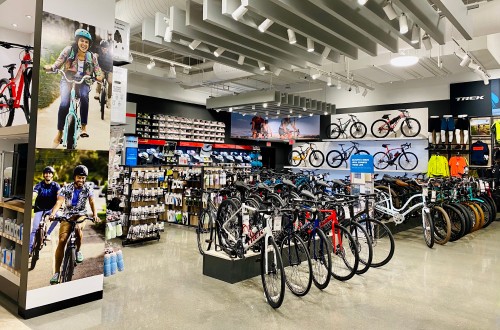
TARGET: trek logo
(470,98)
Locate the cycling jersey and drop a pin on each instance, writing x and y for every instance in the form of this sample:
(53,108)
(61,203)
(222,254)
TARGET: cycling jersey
(480,153)
(46,195)
(457,165)
(496,129)
(438,166)
(79,206)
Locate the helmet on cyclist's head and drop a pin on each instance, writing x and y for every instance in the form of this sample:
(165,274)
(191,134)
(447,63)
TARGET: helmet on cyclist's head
(104,44)
(83,33)
(49,169)
(81,170)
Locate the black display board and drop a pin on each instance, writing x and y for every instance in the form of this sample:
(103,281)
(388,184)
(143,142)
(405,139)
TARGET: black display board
(471,98)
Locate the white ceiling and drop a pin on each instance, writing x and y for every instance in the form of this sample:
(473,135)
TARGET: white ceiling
(14,12)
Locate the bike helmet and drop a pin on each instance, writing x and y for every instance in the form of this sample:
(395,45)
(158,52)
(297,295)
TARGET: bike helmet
(143,155)
(83,33)
(104,44)
(49,169)
(81,170)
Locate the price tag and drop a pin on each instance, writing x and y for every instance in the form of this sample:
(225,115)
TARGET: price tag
(481,186)
(425,191)
(277,220)
(454,195)
(433,196)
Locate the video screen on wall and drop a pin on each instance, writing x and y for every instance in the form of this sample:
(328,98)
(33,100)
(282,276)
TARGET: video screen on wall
(256,127)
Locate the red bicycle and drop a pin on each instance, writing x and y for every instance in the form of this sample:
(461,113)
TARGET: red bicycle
(12,89)
(410,127)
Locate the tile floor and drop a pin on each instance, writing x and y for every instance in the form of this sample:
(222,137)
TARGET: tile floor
(452,286)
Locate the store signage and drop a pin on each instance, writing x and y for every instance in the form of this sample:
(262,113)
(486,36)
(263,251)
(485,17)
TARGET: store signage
(131,141)
(469,98)
(131,156)
(121,38)
(362,164)
(472,98)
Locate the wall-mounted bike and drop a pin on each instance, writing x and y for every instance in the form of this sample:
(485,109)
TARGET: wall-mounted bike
(410,127)
(357,129)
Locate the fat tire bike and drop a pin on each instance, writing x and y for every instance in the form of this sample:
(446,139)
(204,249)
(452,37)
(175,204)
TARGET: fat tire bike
(410,127)
(335,158)
(357,129)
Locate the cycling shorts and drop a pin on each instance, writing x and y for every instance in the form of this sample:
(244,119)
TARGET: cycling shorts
(447,124)
(434,124)
(463,124)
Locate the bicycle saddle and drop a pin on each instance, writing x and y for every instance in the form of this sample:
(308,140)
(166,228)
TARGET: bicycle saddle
(10,66)
(288,182)
(385,145)
(264,187)
(389,178)
(337,181)
(401,183)
(341,144)
(240,185)
(307,193)
(385,116)
(323,183)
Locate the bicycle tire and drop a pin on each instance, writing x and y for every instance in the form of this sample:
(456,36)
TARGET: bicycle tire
(321,259)
(405,158)
(316,158)
(363,246)
(479,218)
(102,99)
(274,270)
(345,258)
(6,112)
(36,249)
(412,125)
(380,128)
(226,209)
(204,231)
(442,225)
(68,264)
(382,241)
(294,158)
(276,200)
(473,214)
(484,213)
(26,94)
(359,128)
(334,159)
(457,221)
(488,211)
(381,160)
(428,229)
(70,133)
(294,257)
(361,152)
(467,213)
(493,208)
(333,131)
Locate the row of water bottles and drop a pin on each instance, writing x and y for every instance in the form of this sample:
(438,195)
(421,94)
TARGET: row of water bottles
(113,261)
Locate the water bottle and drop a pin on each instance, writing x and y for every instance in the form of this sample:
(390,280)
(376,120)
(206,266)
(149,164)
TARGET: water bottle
(119,260)
(107,265)
(113,263)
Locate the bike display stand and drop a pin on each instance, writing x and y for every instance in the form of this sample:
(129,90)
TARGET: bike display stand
(219,265)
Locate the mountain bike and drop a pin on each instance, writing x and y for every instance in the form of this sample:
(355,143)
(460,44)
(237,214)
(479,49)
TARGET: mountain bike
(13,88)
(316,157)
(335,158)
(407,160)
(410,127)
(357,129)
(40,237)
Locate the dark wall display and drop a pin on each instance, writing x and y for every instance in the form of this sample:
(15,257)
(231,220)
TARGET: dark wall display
(472,98)
(436,108)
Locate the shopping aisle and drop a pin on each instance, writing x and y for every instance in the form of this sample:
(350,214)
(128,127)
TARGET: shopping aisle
(452,286)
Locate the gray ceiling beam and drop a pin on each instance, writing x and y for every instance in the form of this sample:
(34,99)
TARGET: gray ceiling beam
(339,27)
(301,26)
(243,99)
(456,13)
(422,13)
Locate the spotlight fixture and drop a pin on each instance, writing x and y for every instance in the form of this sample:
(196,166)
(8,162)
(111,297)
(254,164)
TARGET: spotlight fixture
(217,110)
(310,115)
(291,111)
(300,116)
(241,59)
(329,81)
(278,112)
(243,114)
(403,24)
(339,86)
(465,60)
(151,64)
(277,71)
(389,10)
(261,65)
(325,113)
(304,108)
(357,89)
(264,105)
(172,73)
(326,52)
(239,12)
(362,2)
(316,75)
(426,40)
(265,25)
(473,66)
(230,109)
(291,36)
(195,43)
(218,52)
(168,34)
(253,107)
(415,34)
(310,45)
(365,92)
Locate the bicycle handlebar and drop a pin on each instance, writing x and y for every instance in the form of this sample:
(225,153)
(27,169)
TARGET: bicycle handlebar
(78,82)
(64,218)
(8,45)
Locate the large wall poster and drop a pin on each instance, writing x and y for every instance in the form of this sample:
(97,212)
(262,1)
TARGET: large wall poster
(256,127)
(495,97)
(77,49)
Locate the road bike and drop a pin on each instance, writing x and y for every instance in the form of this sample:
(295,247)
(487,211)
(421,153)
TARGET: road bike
(335,158)
(410,127)
(357,129)
(407,160)
(15,87)
(315,156)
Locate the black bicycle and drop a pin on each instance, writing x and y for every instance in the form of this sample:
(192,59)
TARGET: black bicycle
(357,129)
(103,96)
(40,238)
(335,158)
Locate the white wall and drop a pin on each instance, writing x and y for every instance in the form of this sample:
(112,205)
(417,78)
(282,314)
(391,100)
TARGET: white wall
(8,56)
(93,12)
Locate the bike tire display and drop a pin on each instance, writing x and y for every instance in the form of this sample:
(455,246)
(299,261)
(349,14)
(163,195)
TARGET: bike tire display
(334,159)
(297,265)
(319,251)
(205,231)
(294,158)
(410,127)
(381,160)
(380,128)
(381,239)
(333,131)
(6,112)
(70,140)
(316,158)
(428,229)
(345,258)
(272,274)
(442,225)
(358,130)
(408,161)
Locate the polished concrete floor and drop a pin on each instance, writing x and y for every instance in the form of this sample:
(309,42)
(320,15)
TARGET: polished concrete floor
(452,286)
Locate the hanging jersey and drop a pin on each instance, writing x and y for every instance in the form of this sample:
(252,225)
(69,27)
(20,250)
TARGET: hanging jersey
(496,129)
(479,153)
(457,165)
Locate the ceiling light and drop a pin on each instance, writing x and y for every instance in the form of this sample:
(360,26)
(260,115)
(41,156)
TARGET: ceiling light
(473,66)
(277,71)
(194,44)
(465,60)
(278,112)
(291,36)
(267,113)
(28,16)
(172,73)
(14,24)
(261,65)
(243,114)
(151,64)
(316,75)
(426,40)
(291,111)
(403,24)
(404,60)
(362,2)
(389,10)
(217,110)
(264,105)
(310,45)
(486,80)
(230,109)
(329,81)
(357,89)
(415,34)
(365,92)
(265,25)
(218,52)
(326,52)
(168,34)
(300,116)
(304,108)
(325,113)
(253,107)
(241,59)
(239,12)
(310,115)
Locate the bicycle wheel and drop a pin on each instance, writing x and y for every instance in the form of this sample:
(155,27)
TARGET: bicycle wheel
(26,94)
(488,212)
(363,246)
(361,152)
(442,225)
(316,158)
(36,249)
(6,111)
(467,213)
(380,128)
(457,221)
(102,99)
(408,161)
(294,158)
(204,231)
(493,211)
(297,265)
(333,131)
(381,160)
(272,272)
(70,134)
(474,215)
(319,251)
(410,127)
(224,213)
(334,159)
(68,264)
(382,241)
(480,216)
(345,258)
(358,130)
(428,228)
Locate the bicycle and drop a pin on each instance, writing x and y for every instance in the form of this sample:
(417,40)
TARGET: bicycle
(410,127)
(40,238)
(357,129)
(316,157)
(335,158)
(407,160)
(103,96)
(16,86)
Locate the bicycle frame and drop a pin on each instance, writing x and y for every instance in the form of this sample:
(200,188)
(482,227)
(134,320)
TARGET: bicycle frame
(336,235)
(397,215)
(19,77)
(348,152)
(72,112)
